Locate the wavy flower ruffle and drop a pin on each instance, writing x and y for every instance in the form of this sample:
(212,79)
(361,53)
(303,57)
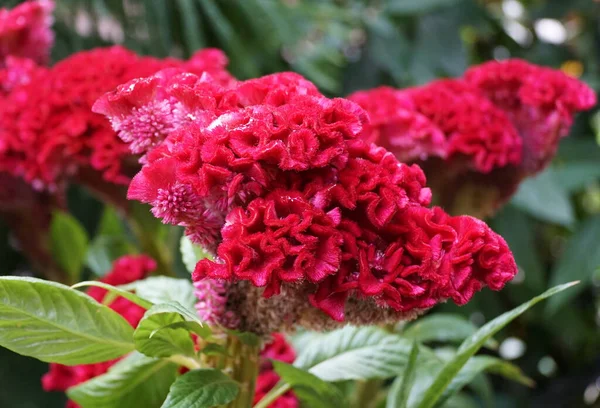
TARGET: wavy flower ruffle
(477,137)
(47,129)
(273,178)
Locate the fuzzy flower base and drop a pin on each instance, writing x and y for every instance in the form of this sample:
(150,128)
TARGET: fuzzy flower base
(479,136)
(273,178)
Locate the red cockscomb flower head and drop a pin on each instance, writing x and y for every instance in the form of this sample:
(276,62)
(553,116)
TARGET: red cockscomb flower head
(304,214)
(126,269)
(501,123)
(397,125)
(25,31)
(540,102)
(47,129)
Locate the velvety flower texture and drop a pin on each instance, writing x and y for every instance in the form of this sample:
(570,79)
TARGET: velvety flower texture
(274,179)
(477,137)
(126,269)
(47,129)
(540,102)
(25,31)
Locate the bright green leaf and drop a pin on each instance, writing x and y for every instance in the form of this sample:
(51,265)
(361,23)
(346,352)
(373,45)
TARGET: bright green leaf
(156,337)
(472,344)
(400,390)
(68,242)
(116,292)
(136,381)
(54,323)
(311,390)
(202,388)
(440,327)
(354,353)
(163,289)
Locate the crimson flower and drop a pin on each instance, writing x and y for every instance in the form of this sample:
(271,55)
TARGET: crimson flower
(477,137)
(48,132)
(272,177)
(25,31)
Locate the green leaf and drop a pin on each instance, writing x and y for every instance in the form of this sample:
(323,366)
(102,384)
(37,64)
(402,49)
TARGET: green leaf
(69,243)
(156,337)
(104,250)
(191,253)
(353,353)
(400,390)
(310,389)
(479,364)
(472,344)
(136,381)
(417,7)
(545,199)
(163,289)
(116,292)
(194,36)
(202,388)
(580,260)
(110,224)
(441,327)
(54,323)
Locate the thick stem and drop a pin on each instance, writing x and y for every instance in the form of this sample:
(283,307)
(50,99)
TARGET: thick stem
(242,365)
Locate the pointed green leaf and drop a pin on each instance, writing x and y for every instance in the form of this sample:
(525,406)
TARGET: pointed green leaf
(54,323)
(479,364)
(163,289)
(202,388)
(310,389)
(472,344)
(155,336)
(442,328)
(136,381)
(116,292)
(355,353)
(398,396)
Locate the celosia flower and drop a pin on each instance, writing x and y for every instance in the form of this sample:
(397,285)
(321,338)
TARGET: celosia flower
(316,219)
(498,125)
(539,101)
(25,31)
(125,270)
(47,129)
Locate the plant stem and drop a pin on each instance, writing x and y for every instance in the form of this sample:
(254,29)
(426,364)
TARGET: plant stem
(241,364)
(367,393)
(184,361)
(276,392)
